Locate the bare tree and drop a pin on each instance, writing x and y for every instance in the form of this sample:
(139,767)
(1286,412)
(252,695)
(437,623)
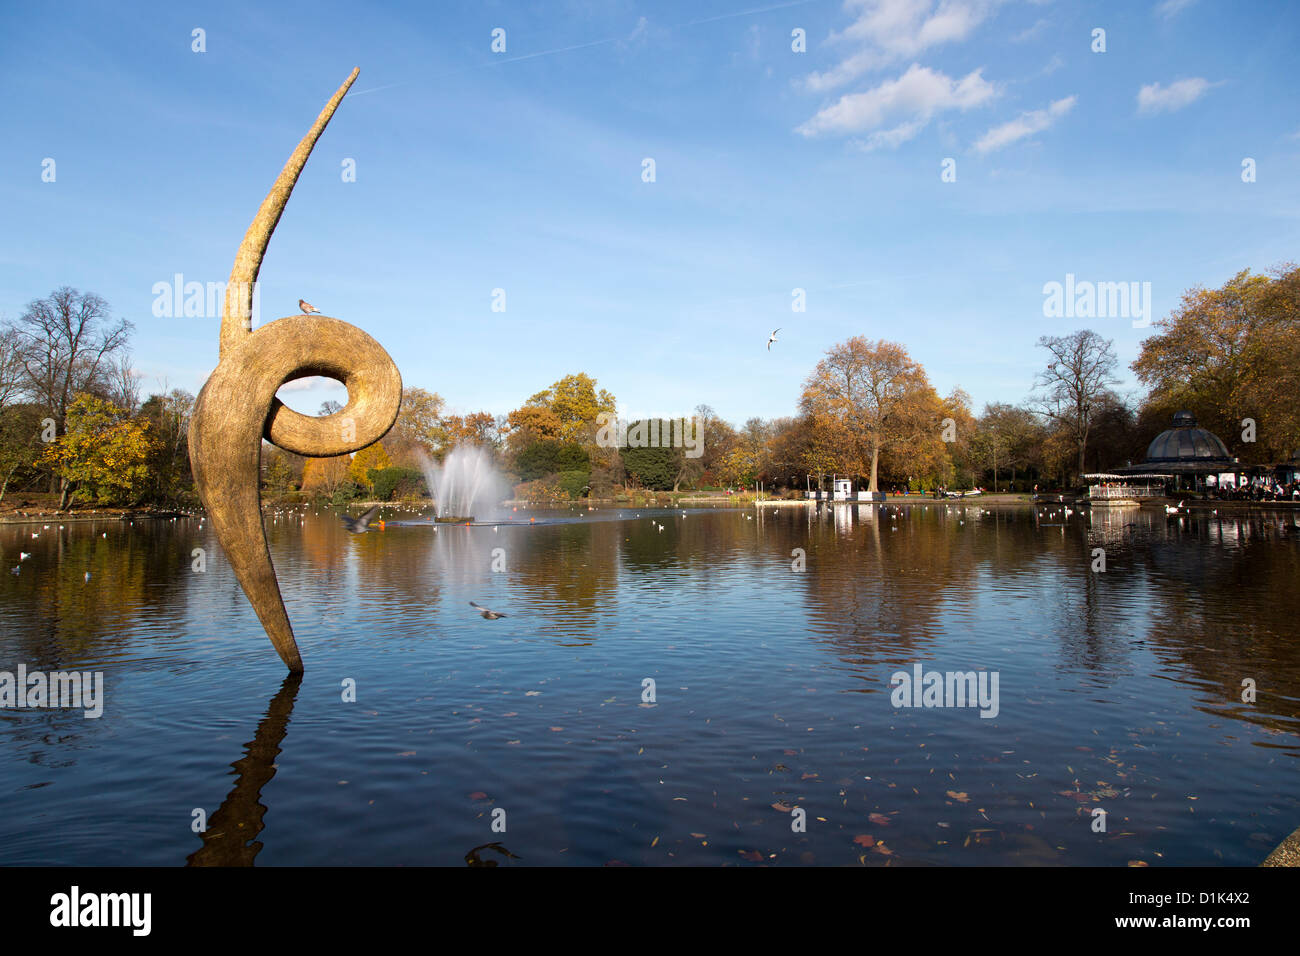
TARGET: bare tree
(1076,380)
(68,343)
(18,423)
(124,384)
(11,366)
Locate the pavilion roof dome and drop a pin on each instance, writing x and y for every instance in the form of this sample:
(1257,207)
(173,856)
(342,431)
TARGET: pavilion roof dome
(1187,443)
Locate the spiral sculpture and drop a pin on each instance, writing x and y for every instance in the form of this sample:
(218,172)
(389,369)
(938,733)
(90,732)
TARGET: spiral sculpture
(237,406)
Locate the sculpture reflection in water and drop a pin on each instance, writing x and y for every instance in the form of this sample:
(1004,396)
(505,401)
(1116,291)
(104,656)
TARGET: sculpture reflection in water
(231,836)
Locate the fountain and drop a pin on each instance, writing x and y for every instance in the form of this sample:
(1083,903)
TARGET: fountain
(466,485)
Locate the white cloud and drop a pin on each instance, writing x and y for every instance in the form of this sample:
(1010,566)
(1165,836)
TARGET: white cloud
(1026,124)
(893,138)
(913,98)
(310,383)
(1171,8)
(888,31)
(1154,98)
(1030,33)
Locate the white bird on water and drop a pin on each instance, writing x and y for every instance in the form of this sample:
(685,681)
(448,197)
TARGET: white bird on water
(772,338)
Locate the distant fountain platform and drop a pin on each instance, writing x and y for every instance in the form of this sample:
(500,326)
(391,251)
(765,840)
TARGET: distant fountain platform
(464,485)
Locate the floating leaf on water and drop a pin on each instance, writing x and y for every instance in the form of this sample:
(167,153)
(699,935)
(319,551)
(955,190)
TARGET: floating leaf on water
(879,819)
(753,856)
(478,795)
(961,796)
(783,808)
(864,839)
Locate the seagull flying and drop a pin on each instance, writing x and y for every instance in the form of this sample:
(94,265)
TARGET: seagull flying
(360,525)
(772,338)
(489,615)
(307,307)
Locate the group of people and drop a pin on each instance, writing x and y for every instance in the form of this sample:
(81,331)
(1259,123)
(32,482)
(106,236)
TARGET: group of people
(1262,489)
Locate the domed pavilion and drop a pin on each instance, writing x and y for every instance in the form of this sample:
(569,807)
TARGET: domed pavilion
(1187,454)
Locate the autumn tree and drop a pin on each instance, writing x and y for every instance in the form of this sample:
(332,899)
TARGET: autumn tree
(1003,438)
(324,476)
(1079,373)
(477,428)
(878,395)
(1230,354)
(103,454)
(719,439)
(575,402)
(277,473)
(371,458)
(419,428)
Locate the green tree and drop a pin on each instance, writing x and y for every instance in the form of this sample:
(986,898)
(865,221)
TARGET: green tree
(652,467)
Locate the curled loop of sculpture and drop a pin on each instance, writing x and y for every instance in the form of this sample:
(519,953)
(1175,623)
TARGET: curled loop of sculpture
(237,407)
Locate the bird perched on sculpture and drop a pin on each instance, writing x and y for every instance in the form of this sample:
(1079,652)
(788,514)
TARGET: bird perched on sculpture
(307,307)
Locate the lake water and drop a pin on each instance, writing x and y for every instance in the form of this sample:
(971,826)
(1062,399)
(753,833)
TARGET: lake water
(1119,690)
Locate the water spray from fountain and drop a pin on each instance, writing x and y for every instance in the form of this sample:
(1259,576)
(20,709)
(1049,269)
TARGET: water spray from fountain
(466,485)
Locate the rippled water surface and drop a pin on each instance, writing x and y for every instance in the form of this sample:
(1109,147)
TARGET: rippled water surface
(1119,690)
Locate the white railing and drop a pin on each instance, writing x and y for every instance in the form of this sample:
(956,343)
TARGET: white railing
(1125,491)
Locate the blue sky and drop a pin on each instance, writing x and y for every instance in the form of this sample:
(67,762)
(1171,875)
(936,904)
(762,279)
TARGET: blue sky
(774,170)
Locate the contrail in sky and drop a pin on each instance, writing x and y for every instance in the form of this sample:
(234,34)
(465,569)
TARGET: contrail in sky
(583,46)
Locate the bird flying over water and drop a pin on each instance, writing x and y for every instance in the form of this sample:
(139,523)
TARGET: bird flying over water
(360,525)
(772,338)
(307,307)
(489,615)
